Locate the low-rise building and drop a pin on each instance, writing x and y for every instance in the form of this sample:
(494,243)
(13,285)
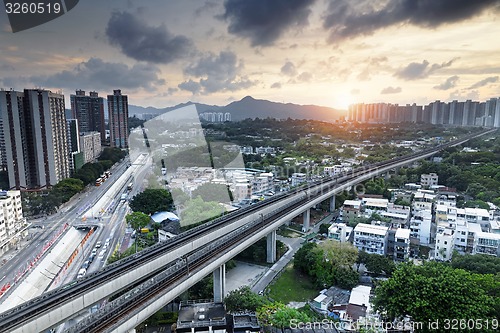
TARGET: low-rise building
(350,210)
(444,243)
(298,178)
(90,145)
(401,244)
(487,243)
(12,222)
(375,204)
(428,180)
(340,232)
(423,200)
(421,227)
(201,316)
(371,238)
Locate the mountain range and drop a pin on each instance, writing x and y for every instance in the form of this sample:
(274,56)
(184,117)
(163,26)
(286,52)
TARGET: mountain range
(250,107)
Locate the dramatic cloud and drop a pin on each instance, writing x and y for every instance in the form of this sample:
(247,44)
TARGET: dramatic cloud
(276,85)
(464,95)
(422,70)
(289,69)
(391,90)
(139,41)
(373,66)
(264,21)
(101,75)
(450,82)
(352,18)
(482,83)
(216,73)
(305,77)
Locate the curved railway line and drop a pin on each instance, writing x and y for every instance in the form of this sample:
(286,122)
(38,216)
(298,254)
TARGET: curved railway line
(192,240)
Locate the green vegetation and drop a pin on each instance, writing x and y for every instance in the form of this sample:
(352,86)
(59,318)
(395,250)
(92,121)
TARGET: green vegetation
(48,201)
(151,201)
(279,315)
(243,299)
(257,252)
(137,220)
(286,232)
(329,263)
(197,211)
(292,285)
(477,263)
(213,192)
(436,291)
(376,264)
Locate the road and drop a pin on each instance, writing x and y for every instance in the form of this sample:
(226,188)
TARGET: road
(71,212)
(293,244)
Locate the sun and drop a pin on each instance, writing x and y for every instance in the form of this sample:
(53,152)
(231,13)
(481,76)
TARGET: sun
(343,101)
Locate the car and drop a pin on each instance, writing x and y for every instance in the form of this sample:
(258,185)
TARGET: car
(101,255)
(81,273)
(86,264)
(98,244)
(94,252)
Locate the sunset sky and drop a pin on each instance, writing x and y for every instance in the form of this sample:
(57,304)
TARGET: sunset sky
(328,53)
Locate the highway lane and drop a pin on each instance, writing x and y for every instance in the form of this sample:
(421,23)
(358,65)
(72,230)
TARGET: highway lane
(18,260)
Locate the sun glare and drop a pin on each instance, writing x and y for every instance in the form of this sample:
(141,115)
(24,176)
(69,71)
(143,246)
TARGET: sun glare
(343,101)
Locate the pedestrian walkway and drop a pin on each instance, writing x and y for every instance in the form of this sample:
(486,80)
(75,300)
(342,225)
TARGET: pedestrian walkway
(293,244)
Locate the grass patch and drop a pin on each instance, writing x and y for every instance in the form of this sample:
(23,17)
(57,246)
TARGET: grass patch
(285,232)
(292,286)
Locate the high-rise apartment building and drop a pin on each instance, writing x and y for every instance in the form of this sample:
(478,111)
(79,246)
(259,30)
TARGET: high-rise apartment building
(35,145)
(118,119)
(89,111)
(468,113)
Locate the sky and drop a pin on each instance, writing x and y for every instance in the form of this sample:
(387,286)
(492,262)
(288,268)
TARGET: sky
(324,52)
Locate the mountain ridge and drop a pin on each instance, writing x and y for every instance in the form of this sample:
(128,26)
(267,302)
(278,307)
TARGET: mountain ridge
(250,107)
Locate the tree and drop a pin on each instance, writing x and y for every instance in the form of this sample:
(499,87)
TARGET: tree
(243,299)
(305,258)
(338,253)
(68,187)
(197,211)
(213,192)
(376,263)
(323,228)
(279,315)
(477,263)
(137,220)
(151,201)
(435,291)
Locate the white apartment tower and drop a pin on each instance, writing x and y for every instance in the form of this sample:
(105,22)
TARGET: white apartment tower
(12,222)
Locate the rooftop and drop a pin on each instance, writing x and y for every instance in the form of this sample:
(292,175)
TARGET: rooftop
(403,233)
(371,229)
(202,314)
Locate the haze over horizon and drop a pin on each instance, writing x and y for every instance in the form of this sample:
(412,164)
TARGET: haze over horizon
(309,52)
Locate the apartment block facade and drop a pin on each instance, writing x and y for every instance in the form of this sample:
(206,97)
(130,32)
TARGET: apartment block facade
(34,144)
(89,111)
(12,222)
(118,119)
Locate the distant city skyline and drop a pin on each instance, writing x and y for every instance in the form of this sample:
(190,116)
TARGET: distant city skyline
(330,53)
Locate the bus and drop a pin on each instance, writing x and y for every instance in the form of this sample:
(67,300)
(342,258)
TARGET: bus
(129,187)
(98,182)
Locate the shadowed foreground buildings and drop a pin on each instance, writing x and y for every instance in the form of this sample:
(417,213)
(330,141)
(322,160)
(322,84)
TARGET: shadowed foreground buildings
(118,119)
(33,138)
(89,111)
